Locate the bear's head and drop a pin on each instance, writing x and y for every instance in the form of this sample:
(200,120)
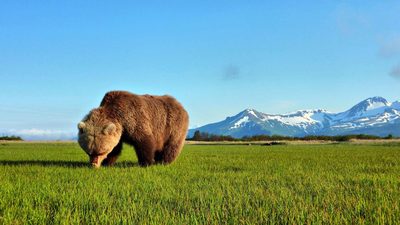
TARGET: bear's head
(98,135)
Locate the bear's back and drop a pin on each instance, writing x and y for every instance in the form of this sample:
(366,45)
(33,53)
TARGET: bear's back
(126,98)
(158,109)
(113,97)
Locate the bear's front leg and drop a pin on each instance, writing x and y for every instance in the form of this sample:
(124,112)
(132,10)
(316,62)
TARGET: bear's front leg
(110,161)
(113,155)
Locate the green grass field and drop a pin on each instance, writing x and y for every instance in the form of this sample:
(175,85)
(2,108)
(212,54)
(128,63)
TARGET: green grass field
(290,184)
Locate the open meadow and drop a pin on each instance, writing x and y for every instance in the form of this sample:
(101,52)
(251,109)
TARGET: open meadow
(208,184)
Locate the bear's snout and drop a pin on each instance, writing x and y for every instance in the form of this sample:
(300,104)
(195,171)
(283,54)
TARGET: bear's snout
(96,160)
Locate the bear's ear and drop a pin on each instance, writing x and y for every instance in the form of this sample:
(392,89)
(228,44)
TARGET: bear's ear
(81,125)
(109,129)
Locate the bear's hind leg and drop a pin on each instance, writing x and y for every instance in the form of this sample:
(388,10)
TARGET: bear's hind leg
(145,157)
(145,152)
(172,149)
(113,155)
(158,157)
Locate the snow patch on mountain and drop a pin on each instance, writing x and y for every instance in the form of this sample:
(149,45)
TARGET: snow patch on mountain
(302,118)
(240,122)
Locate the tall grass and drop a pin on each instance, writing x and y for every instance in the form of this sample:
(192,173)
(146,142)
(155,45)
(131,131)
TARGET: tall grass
(339,184)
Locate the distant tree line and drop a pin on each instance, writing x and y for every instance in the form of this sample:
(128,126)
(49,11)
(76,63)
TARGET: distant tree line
(10,138)
(204,136)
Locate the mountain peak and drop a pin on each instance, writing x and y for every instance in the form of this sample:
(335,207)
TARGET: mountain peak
(376,99)
(250,112)
(368,104)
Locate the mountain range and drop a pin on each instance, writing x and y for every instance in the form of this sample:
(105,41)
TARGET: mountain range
(373,116)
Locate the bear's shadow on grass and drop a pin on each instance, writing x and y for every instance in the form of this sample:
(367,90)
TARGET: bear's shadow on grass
(59,163)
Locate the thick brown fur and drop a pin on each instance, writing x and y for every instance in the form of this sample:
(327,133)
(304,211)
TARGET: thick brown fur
(155,125)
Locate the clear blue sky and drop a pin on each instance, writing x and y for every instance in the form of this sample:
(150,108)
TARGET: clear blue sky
(58,58)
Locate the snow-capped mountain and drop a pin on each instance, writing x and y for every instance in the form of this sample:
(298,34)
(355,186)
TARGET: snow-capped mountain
(375,116)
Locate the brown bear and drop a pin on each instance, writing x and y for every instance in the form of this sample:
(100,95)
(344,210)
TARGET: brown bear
(156,126)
